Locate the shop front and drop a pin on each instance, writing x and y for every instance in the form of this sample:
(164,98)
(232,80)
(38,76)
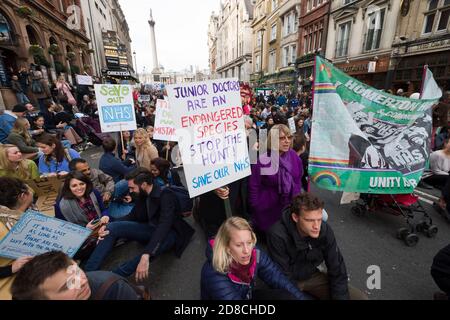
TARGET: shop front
(372,72)
(409,71)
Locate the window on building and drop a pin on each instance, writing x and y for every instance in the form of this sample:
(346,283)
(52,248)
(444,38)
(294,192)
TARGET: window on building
(285,57)
(343,39)
(272,57)
(257,63)
(274,4)
(259,38)
(373,36)
(437,16)
(273,32)
(443,19)
(348,1)
(293,53)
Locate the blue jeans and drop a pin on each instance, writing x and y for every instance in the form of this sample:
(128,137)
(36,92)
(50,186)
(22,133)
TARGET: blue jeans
(22,97)
(118,209)
(135,231)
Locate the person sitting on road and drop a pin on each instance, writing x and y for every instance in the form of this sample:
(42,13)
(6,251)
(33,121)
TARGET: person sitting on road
(54,276)
(154,220)
(163,174)
(81,204)
(439,167)
(56,158)
(301,242)
(8,118)
(15,199)
(233,264)
(21,137)
(112,194)
(12,164)
(113,166)
(145,150)
(440,271)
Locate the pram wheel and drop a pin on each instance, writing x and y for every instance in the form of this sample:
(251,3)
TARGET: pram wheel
(431,232)
(402,233)
(358,211)
(411,239)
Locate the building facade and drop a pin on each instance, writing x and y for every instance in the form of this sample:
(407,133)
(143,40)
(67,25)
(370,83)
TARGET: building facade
(312,40)
(233,40)
(110,46)
(48,33)
(275,43)
(422,38)
(212,44)
(360,37)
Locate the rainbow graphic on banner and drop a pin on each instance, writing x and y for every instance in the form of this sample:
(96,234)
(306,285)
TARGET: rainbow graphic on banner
(327,177)
(324,88)
(332,163)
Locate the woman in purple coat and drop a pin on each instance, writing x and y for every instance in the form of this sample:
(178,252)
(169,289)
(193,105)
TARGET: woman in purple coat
(275,179)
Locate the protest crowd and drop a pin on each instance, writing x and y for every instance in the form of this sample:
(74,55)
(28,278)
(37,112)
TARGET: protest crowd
(265,226)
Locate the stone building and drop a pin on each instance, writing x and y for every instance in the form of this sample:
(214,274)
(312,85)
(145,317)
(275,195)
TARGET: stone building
(233,40)
(41,32)
(422,38)
(360,37)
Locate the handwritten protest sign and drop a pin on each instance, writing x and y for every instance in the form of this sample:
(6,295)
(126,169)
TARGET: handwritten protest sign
(291,122)
(47,190)
(164,125)
(36,233)
(145,97)
(115,107)
(209,123)
(84,80)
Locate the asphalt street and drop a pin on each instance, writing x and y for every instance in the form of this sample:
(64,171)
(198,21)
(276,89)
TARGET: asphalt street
(365,242)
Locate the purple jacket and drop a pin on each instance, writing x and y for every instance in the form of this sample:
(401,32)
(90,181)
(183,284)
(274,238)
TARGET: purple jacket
(269,194)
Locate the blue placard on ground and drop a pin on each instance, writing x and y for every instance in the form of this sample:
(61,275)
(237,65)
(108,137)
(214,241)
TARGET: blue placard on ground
(36,233)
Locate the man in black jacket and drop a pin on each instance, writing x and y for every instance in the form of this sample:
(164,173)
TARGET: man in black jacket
(154,220)
(301,242)
(440,271)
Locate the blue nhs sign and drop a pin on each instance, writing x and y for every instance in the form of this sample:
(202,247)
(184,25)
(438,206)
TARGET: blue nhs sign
(117,113)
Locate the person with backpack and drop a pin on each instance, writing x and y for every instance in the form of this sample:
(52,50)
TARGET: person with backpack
(48,277)
(41,90)
(155,220)
(55,158)
(163,174)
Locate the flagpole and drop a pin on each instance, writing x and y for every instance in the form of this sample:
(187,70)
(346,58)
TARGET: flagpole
(424,74)
(312,109)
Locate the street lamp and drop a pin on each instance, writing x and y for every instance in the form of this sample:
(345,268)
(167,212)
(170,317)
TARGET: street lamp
(262,52)
(135,63)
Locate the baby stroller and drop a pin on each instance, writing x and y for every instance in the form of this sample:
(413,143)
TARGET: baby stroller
(406,205)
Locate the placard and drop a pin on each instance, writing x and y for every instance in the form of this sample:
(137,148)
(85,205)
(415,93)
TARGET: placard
(292,126)
(36,233)
(209,123)
(164,125)
(84,80)
(47,189)
(115,107)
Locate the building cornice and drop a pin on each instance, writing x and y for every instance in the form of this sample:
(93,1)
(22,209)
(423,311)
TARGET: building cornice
(52,16)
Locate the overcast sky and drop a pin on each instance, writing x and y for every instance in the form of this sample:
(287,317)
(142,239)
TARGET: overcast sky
(181,31)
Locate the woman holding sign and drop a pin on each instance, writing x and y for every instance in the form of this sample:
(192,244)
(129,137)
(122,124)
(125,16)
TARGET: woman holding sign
(145,150)
(275,179)
(15,199)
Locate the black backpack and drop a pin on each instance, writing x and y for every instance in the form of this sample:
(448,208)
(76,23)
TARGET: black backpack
(36,86)
(184,201)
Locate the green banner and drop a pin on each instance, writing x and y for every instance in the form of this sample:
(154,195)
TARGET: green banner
(366,140)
